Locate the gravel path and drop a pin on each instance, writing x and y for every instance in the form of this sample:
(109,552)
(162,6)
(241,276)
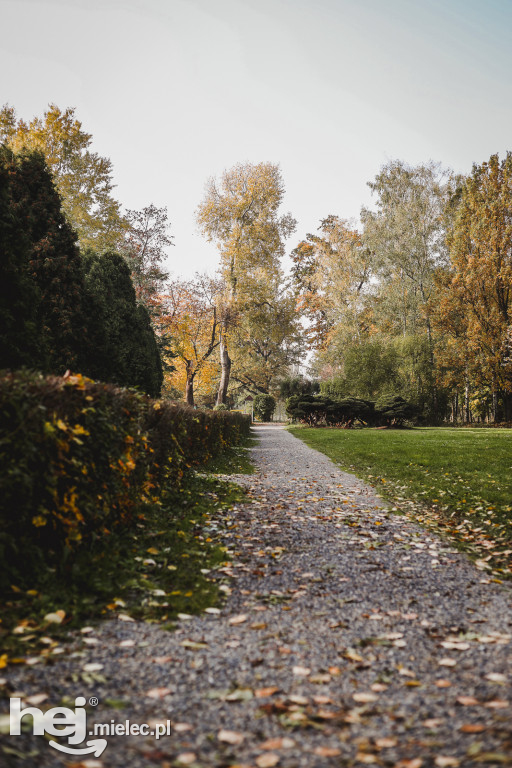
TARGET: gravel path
(350,636)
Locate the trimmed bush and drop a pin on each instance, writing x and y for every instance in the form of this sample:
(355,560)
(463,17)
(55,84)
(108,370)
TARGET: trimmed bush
(391,411)
(80,460)
(264,407)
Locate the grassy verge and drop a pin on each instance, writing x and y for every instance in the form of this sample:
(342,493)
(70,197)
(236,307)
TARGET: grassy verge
(153,573)
(457,479)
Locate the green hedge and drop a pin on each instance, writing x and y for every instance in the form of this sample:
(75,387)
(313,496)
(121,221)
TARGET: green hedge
(80,459)
(316,410)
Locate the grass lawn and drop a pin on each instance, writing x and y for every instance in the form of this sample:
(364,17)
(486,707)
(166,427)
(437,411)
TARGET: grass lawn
(463,475)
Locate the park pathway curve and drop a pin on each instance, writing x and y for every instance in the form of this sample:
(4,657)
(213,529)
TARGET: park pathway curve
(350,636)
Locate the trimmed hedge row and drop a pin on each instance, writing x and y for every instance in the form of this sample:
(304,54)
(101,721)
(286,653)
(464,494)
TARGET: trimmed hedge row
(80,459)
(314,410)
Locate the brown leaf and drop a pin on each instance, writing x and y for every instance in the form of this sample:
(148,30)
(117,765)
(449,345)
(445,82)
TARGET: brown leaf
(262,693)
(327,751)
(472,728)
(385,743)
(468,701)
(278,743)
(267,760)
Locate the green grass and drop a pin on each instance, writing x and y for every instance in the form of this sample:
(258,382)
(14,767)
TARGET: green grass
(153,572)
(463,476)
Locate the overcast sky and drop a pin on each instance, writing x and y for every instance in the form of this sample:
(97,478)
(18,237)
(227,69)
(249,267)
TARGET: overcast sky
(175,91)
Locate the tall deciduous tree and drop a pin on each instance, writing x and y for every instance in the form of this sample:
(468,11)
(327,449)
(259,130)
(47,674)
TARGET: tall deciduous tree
(331,275)
(190,318)
(267,340)
(146,239)
(476,304)
(83,178)
(406,234)
(240,213)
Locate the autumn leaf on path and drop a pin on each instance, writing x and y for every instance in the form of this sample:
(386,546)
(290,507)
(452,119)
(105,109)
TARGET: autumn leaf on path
(230,737)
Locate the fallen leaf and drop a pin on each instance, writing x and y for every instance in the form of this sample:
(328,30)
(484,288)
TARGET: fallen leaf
(262,693)
(496,704)
(327,751)
(193,645)
(37,699)
(92,667)
(212,611)
(55,618)
(301,671)
(441,683)
(472,728)
(278,743)
(385,743)
(157,693)
(240,694)
(468,701)
(447,662)
(186,758)
(496,677)
(267,760)
(432,722)
(366,758)
(234,620)
(364,698)
(182,727)
(322,699)
(444,761)
(230,737)
(302,701)
(455,646)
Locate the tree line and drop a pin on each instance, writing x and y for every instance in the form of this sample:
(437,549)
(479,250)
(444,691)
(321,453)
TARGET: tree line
(416,300)
(78,279)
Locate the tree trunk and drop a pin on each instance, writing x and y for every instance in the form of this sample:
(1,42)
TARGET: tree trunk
(189,386)
(225,364)
(467,412)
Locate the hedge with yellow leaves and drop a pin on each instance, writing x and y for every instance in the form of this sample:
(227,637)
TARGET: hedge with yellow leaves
(79,459)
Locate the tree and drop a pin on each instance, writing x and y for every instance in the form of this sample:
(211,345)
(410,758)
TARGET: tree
(124,348)
(267,338)
(475,309)
(82,177)
(20,326)
(331,275)
(406,234)
(42,287)
(240,214)
(191,320)
(144,247)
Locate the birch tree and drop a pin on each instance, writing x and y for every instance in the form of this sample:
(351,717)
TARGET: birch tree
(240,214)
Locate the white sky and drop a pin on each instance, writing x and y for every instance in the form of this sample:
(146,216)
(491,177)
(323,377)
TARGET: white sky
(175,91)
